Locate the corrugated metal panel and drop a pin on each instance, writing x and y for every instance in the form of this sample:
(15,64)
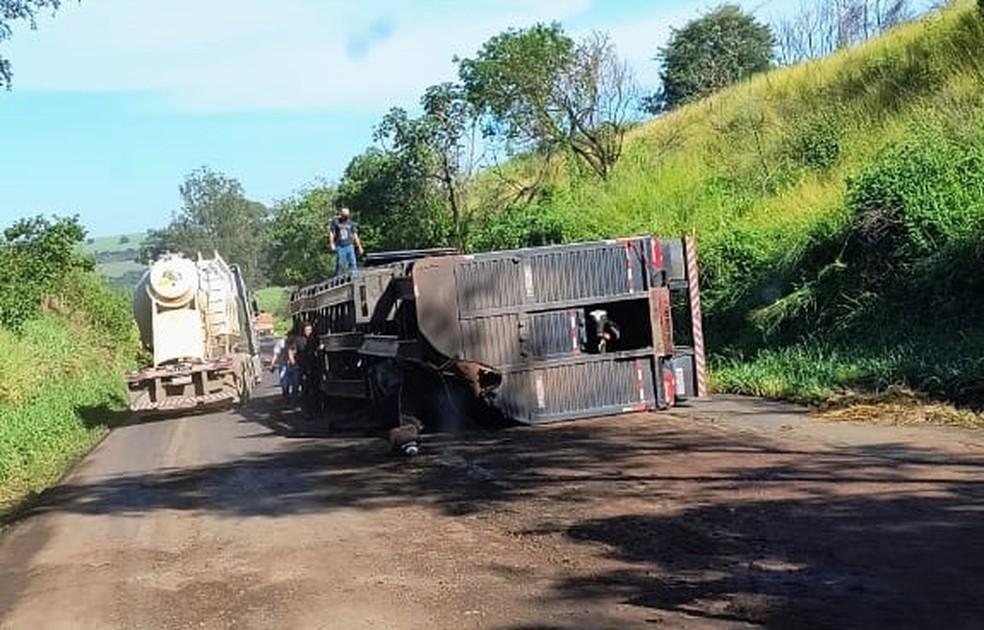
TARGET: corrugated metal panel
(492,341)
(576,390)
(555,333)
(514,339)
(581,274)
(540,277)
(488,283)
(673,260)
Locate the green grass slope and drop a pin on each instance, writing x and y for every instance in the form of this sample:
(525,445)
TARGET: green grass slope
(61,385)
(112,244)
(839,207)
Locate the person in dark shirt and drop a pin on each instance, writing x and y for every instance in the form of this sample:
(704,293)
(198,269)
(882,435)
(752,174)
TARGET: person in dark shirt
(303,354)
(343,240)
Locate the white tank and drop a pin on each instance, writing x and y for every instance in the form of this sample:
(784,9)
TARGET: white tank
(187,310)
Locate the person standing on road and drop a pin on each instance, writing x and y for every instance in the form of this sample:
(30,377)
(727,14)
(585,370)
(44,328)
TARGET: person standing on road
(304,353)
(285,373)
(343,240)
(291,378)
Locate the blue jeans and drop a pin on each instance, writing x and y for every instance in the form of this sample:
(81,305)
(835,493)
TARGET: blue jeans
(289,381)
(345,257)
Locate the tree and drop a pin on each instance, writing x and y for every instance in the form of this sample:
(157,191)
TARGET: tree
(542,91)
(395,204)
(36,257)
(214,216)
(12,11)
(297,246)
(440,148)
(712,52)
(821,27)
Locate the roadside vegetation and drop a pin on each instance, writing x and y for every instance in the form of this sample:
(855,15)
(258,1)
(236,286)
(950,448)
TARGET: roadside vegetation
(65,340)
(839,206)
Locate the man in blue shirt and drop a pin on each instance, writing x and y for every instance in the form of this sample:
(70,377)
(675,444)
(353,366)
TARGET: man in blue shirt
(343,239)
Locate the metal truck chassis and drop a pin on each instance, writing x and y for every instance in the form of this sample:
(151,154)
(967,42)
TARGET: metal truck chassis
(185,387)
(518,332)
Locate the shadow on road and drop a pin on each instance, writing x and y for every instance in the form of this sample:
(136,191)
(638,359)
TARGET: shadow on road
(684,518)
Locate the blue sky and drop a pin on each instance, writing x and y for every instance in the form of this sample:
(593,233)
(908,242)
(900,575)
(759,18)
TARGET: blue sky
(114,101)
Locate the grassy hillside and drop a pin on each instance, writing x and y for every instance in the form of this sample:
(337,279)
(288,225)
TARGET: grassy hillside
(839,206)
(60,389)
(115,258)
(65,339)
(112,244)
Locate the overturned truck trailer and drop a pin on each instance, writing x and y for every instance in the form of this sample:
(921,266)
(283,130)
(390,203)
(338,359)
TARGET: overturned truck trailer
(533,335)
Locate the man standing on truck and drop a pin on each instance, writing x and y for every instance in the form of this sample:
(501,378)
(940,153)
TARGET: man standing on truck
(343,240)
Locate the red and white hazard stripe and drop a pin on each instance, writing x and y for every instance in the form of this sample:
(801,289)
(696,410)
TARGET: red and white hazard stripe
(628,266)
(696,319)
(656,252)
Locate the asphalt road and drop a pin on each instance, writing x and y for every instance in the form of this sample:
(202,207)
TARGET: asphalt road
(736,514)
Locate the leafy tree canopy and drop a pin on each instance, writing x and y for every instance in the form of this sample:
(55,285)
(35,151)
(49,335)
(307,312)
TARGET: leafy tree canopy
(513,75)
(12,11)
(540,90)
(395,204)
(36,255)
(712,52)
(297,249)
(215,216)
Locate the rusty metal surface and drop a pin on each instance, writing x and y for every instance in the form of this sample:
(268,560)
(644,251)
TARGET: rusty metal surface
(182,403)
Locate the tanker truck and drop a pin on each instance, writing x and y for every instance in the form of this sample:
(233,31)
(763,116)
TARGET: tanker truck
(196,321)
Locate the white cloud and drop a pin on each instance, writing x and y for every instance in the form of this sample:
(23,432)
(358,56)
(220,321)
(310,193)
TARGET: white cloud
(232,55)
(227,55)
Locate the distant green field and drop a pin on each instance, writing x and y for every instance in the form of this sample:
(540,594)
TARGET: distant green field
(117,243)
(119,268)
(115,256)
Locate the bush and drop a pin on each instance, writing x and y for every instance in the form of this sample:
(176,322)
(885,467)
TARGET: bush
(818,147)
(42,437)
(35,257)
(918,218)
(518,226)
(887,298)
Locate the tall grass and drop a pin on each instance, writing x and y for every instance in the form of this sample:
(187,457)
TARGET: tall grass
(60,389)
